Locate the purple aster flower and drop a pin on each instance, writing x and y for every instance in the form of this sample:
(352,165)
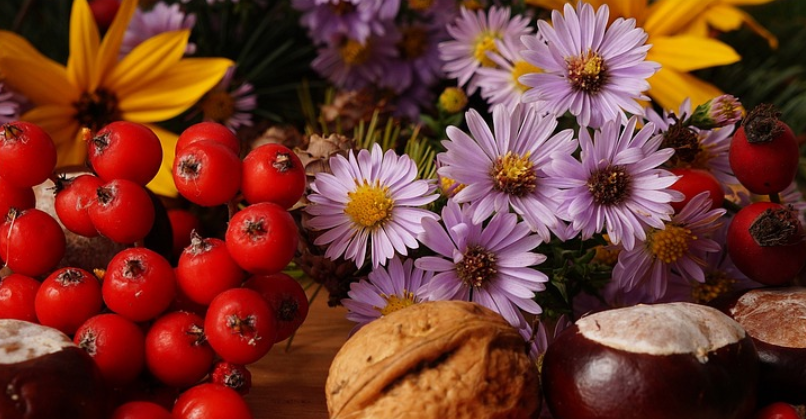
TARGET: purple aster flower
(419,52)
(439,12)
(229,104)
(474,35)
(695,148)
(594,71)
(9,108)
(159,19)
(616,185)
(413,100)
(489,265)
(679,247)
(500,84)
(353,65)
(373,197)
(328,21)
(397,286)
(504,168)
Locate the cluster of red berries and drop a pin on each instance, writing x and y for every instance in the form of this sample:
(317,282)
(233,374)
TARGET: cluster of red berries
(190,329)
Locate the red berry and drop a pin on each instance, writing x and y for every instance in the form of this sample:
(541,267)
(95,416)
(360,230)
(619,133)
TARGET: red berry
(67,298)
(116,344)
(262,238)
(73,198)
(122,211)
(141,410)
(27,154)
(766,242)
(12,196)
(176,351)
(208,401)
(234,376)
(17,294)
(287,299)
(139,284)
(777,410)
(240,326)
(764,153)
(694,181)
(206,269)
(207,173)
(273,173)
(125,150)
(31,242)
(104,12)
(208,131)
(183,222)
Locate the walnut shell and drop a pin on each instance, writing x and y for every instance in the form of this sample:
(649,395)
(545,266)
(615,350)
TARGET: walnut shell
(440,359)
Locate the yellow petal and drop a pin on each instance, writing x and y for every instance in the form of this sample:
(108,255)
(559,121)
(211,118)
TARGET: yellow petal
(42,81)
(628,9)
(176,91)
(84,43)
(163,184)
(669,88)
(666,17)
(687,52)
(59,123)
(110,46)
(726,18)
(147,62)
(547,4)
(745,2)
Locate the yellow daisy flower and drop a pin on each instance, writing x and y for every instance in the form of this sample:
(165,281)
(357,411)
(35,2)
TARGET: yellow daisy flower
(677,30)
(152,83)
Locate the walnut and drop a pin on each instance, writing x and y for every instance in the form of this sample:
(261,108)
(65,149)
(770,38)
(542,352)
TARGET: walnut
(441,359)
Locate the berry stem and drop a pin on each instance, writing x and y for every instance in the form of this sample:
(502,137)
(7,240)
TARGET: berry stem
(775,198)
(232,207)
(731,206)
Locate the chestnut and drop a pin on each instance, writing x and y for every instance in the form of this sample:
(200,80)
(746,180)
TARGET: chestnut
(660,361)
(775,318)
(44,375)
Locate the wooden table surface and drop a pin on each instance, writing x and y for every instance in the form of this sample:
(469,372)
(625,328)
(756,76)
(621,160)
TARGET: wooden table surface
(292,384)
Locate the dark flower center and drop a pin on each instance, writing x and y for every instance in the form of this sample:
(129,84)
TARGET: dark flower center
(218,106)
(587,73)
(97,109)
(514,174)
(342,8)
(476,267)
(610,186)
(684,141)
(413,44)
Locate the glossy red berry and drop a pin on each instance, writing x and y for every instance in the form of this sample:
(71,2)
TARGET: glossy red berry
(183,223)
(123,211)
(116,344)
(234,376)
(31,242)
(212,131)
(206,269)
(273,173)
(210,400)
(139,284)
(74,196)
(67,298)
(240,326)
(694,181)
(287,299)
(141,409)
(764,152)
(12,196)
(17,295)
(766,242)
(262,238)
(125,150)
(207,173)
(176,351)
(104,12)
(777,410)
(27,154)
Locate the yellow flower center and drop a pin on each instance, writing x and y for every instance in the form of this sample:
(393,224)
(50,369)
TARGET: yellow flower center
(605,255)
(610,186)
(514,174)
(587,73)
(473,4)
(449,187)
(420,5)
(520,68)
(396,302)
(453,99)
(218,106)
(670,244)
(97,109)
(477,266)
(484,43)
(414,43)
(370,206)
(342,8)
(716,283)
(354,53)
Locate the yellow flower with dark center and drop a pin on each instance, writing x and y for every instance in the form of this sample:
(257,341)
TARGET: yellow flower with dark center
(152,83)
(677,30)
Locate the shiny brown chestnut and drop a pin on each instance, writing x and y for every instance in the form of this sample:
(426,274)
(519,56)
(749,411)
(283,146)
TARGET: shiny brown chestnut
(43,375)
(661,361)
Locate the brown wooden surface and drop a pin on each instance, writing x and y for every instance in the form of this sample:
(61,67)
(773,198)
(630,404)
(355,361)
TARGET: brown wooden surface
(292,384)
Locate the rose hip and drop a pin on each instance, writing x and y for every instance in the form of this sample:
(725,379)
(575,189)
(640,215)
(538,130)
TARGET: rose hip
(287,299)
(123,211)
(206,269)
(31,242)
(139,284)
(125,150)
(74,196)
(262,238)
(67,298)
(207,173)
(27,154)
(176,351)
(17,294)
(116,344)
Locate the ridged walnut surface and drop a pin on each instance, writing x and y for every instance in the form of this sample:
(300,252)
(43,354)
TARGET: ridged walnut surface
(443,359)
